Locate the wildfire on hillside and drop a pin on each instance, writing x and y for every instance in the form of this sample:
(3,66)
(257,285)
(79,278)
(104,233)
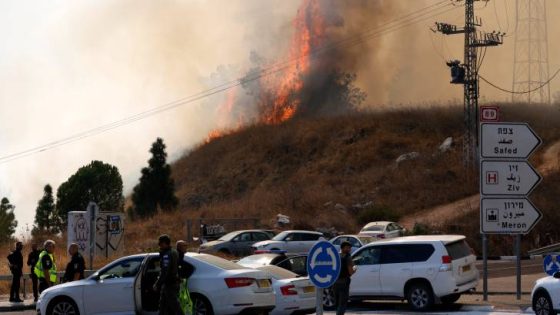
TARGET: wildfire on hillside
(299,84)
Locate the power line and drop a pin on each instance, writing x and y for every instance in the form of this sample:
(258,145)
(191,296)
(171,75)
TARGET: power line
(389,27)
(521,92)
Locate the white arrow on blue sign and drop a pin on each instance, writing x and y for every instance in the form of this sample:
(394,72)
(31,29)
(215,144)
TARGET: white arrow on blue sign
(507,140)
(551,264)
(323,264)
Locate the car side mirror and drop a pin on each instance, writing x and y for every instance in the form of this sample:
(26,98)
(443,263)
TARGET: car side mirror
(556,275)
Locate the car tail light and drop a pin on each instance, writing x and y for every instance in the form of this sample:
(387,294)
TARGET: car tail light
(239,282)
(446,259)
(288,290)
(381,236)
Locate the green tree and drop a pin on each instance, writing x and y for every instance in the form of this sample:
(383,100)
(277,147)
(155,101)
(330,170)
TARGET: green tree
(46,218)
(8,221)
(156,187)
(98,182)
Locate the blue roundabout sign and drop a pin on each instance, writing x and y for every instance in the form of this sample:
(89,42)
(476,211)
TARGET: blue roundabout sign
(323,264)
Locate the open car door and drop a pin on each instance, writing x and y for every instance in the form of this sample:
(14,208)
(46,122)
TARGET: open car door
(146,299)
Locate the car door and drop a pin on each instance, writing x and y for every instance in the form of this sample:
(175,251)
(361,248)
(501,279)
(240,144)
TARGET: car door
(396,269)
(366,280)
(308,240)
(291,242)
(241,244)
(255,238)
(112,292)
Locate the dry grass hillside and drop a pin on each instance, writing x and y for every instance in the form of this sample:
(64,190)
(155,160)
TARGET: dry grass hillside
(340,172)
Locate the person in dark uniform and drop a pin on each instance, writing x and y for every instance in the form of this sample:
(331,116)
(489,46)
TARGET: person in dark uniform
(32,259)
(168,281)
(76,266)
(15,259)
(45,269)
(342,285)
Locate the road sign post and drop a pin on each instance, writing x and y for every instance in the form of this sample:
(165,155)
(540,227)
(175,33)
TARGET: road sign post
(323,268)
(506,178)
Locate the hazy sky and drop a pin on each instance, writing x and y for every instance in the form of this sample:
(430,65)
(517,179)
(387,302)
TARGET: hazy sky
(70,66)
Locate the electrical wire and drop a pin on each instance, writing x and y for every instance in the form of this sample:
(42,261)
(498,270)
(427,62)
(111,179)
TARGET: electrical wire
(389,27)
(521,92)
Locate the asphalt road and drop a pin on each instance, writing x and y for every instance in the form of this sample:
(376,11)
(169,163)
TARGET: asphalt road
(506,268)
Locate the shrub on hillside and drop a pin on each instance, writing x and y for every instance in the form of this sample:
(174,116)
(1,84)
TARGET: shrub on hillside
(377,213)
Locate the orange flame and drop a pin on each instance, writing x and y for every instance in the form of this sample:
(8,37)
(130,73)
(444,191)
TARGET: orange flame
(308,28)
(280,98)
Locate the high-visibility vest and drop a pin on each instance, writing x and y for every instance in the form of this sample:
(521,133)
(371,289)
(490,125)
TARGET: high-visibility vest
(185,298)
(38,270)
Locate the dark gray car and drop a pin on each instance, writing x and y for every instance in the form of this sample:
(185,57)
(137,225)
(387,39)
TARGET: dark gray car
(237,243)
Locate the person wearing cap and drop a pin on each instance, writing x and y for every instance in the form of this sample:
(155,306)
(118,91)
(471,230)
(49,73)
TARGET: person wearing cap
(45,269)
(168,281)
(15,260)
(342,285)
(76,266)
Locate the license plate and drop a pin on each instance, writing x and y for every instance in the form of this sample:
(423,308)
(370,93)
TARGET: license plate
(466,268)
(308,289)
(263,283)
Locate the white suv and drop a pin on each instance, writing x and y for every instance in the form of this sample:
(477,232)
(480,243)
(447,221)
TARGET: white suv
(423,270)
(545,296)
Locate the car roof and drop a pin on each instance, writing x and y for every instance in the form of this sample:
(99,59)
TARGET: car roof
(303,231)
(242,231)
(378,223)
(446,239)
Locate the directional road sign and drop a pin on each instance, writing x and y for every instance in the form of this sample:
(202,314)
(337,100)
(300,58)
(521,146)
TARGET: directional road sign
(507,140)
(323,264)
(551,264)
(507,177)
(508,215)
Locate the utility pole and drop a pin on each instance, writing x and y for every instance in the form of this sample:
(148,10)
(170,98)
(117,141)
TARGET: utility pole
(467,74)
(530,59)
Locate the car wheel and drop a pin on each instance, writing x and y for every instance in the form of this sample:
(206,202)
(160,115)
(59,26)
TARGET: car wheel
(329,300)
(450,299)
(542,305)
(201,306)
(420,296)
(63,306)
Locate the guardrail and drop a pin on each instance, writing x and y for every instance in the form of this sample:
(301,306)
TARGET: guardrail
(27,276)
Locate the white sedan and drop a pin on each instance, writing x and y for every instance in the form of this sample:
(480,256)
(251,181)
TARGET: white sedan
(293,294)
(356,241)
(124,286)
(383,229)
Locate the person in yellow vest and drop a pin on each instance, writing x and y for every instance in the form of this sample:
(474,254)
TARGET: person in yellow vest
(45,269)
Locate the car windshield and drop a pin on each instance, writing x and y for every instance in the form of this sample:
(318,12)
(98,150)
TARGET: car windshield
(278,273)
(366,239)
(256,260)
(228,237)
(218,262)
(281,236)
(375,228)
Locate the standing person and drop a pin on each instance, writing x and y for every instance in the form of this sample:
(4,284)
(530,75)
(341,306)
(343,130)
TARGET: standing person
(168,280)
(76,266)
(342,285)
(45,269)
(15,259)
(184,272)
(32,260)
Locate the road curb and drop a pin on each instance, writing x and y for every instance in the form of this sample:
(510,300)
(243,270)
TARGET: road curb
(14,307)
